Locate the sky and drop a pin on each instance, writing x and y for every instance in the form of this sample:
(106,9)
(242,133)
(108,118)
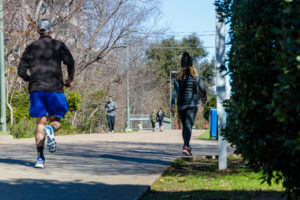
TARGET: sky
(184,17)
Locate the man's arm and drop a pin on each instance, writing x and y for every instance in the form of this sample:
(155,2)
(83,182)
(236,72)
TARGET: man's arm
(115,106)
(68,60)
(24,65)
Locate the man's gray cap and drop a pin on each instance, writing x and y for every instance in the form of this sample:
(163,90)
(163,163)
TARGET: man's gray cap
(45,26)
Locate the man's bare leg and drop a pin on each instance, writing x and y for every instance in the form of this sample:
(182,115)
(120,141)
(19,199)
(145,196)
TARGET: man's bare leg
(40,141)
(55,122)
(39,134)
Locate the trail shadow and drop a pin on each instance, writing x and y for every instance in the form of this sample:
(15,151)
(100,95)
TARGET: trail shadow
(213,195)
(134,159)
(16,162)
(27,189)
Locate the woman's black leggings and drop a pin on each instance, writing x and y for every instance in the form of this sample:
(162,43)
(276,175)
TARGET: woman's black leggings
(187,117)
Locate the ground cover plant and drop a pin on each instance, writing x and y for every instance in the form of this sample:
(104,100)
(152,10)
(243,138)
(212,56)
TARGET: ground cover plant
(201,179)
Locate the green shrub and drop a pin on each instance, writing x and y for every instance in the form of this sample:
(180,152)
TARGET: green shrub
(74,100)
(212,103)
(23,128)
(20,104)
(264,63)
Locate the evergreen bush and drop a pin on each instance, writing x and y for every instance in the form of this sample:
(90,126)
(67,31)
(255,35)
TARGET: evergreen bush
(264,63)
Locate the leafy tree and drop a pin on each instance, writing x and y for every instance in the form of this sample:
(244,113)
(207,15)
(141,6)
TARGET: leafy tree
(166,55)
(263,113)
(207,74)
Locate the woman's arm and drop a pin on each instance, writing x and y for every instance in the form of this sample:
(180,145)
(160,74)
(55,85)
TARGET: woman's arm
(175,92)
(202,88)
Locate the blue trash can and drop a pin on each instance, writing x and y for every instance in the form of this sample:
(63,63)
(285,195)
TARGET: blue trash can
(213,123)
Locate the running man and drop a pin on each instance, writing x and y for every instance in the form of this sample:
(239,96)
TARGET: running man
(43,60)
(110,108)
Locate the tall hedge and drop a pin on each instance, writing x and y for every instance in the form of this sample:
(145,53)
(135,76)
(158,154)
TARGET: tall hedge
(264,63)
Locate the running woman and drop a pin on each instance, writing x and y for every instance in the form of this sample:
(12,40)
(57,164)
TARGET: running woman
(185,87)
(43,60)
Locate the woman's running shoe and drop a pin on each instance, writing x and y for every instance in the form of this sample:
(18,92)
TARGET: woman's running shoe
(186,151)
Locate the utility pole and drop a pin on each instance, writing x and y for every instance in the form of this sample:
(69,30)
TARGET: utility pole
(221,89)
(2,76)
(128,128)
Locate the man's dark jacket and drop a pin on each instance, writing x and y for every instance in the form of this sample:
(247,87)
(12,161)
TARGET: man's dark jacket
(43,60)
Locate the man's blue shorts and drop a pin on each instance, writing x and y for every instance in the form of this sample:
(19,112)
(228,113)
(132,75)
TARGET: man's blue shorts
(53,103)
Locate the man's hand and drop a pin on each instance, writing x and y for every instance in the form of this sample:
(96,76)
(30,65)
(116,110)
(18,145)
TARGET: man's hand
(68,83)
(172,109)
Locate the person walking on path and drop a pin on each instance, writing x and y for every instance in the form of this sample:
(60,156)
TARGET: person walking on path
(186,83)
(160,118)
(110,108)
(153,120)
(43,60)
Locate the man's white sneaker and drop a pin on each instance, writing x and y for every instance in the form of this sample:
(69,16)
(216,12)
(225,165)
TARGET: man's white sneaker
(40,163)
(51,142)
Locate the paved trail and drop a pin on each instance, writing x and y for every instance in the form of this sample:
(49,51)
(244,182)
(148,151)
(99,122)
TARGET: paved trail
(94,166)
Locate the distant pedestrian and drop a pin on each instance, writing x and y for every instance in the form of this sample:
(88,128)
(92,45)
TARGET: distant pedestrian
(185,87)
(153,120)
(206,126)
(160,118)
(42,59)
(110,108)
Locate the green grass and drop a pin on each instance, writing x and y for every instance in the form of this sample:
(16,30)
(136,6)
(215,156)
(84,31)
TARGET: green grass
(126,131)
(205,136)
(202,180)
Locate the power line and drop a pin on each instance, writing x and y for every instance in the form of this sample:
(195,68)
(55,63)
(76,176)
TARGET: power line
(209,47)
(175,35)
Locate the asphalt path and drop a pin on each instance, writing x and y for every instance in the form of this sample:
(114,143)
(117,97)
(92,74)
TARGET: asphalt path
(119,166)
